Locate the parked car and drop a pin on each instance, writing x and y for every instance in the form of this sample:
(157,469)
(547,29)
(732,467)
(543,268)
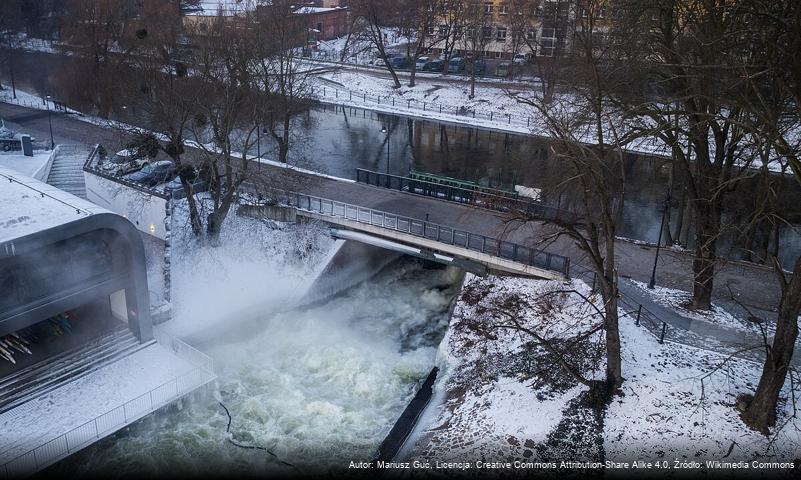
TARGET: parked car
(433,66)
(521,58)
(420,63)
(154,173)
(456,65)
(176,190)
(399,62)
(124,162)
(502,70)
(479,66)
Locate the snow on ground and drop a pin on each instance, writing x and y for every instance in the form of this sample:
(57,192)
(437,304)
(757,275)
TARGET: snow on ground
(29,166)
(493,408)
(678,402)
(258,266)
(495,401)
(678,300)
(75,403)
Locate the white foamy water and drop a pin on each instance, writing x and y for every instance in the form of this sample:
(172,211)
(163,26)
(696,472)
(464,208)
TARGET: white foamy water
(319,387)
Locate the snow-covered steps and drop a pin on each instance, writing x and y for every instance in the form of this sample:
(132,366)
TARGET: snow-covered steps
(66,172)
(62,419)
(50,373)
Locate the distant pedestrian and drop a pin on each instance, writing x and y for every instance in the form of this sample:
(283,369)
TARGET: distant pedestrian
(426,217)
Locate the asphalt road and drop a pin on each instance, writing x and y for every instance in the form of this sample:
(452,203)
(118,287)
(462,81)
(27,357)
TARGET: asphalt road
(735,283)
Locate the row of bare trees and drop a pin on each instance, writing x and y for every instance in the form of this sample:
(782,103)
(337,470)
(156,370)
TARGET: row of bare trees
(718,83)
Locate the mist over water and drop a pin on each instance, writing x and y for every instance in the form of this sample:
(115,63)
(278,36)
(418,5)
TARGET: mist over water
(319,386)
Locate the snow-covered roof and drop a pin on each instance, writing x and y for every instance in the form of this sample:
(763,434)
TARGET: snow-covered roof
(310,10)
(28,206)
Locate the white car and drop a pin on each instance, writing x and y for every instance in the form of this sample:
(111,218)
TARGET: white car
(420,62)
(123,162)
(521,58)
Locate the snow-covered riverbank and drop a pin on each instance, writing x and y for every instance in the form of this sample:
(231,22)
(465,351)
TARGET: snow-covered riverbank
(501,399)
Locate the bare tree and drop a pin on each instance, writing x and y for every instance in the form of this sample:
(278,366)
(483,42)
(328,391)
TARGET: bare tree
(93,30)
(278,72)
(773,99)
(691,50)
(589,134)
(419,20)
(227,114)
(10,29)
(475,40)
(373,17)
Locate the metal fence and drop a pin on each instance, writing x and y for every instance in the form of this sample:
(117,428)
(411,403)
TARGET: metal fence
(431,231)
(116,418)
(340,95)
(491,201)
(632,308)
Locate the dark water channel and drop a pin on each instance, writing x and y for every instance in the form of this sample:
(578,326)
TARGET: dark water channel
(337,140)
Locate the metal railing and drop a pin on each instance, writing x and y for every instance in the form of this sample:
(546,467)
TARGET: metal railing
(340,95)
(491,201)
(79,437)
(431,231)
(634,309)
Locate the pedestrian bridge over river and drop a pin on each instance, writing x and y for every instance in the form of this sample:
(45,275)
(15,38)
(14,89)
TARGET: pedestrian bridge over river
(440,243)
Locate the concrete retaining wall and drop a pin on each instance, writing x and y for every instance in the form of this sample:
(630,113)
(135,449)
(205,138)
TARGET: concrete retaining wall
(353,263)
(145,211)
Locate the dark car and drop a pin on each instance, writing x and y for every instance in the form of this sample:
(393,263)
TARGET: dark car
(399,62)
(154,173)
(478,66)
(176,190)
(434,66)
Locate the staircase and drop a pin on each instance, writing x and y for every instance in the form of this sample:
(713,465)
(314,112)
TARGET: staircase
(67,366)
(66,172)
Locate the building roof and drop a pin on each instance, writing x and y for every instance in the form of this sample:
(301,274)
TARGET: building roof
(28,206)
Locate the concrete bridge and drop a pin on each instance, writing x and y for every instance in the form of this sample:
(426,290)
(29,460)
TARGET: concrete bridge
(444,244)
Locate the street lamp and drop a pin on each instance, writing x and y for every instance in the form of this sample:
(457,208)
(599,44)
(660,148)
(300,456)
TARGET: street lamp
(665,210)
(386,131)
(50,123)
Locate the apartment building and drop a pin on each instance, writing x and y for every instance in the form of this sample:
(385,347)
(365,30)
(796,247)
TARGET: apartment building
(504,28)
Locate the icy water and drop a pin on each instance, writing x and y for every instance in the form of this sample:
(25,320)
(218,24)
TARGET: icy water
(319,387)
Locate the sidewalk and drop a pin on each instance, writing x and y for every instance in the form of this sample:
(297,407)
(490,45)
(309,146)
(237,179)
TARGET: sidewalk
(699,333)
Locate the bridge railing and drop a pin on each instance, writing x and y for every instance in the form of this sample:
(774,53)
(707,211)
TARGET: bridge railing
(432,231)
(491,201)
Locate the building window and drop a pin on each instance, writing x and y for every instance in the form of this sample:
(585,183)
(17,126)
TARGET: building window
(502,9)
(488,8)
(548,42)
(487,32)
(500,34)
(531,35)
(443,31)
(431,30)
(498,54)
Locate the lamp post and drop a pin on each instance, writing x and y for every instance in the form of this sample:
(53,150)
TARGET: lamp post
(652,282)
(386,131)
(50,123)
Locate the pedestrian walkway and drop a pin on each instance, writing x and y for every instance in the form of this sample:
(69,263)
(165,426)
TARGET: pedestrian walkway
(748,345)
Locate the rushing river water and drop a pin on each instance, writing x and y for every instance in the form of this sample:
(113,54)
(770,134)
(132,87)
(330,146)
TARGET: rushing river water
(319,386)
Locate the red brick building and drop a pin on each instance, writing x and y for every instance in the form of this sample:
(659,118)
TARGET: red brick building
(325,23)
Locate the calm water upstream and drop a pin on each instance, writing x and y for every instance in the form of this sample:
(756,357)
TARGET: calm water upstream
(336,141)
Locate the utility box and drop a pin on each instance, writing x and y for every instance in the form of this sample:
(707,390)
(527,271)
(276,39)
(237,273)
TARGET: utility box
(27,146)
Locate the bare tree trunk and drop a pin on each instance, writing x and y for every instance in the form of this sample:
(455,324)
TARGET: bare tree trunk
(706,232)
(761,412)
